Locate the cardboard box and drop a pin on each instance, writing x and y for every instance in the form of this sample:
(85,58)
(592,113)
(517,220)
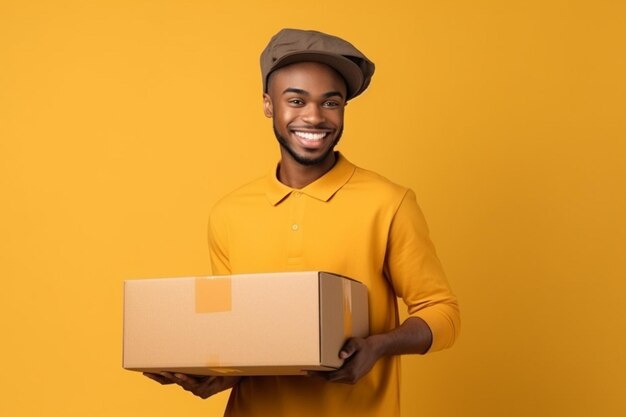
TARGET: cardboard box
(255,324)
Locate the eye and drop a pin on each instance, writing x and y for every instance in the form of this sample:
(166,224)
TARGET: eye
(296,102)
(331,103)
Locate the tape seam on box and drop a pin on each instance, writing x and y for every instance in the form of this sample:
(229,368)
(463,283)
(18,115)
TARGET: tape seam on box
(347,308)
(213,294)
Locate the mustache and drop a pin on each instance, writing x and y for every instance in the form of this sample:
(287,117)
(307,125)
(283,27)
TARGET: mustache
(320,126)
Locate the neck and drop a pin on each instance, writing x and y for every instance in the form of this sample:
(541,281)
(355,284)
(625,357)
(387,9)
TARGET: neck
(296,175)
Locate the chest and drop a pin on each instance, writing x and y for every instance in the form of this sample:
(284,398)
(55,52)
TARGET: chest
(305,233)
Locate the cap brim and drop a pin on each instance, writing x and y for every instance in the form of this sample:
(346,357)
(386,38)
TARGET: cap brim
(350,71)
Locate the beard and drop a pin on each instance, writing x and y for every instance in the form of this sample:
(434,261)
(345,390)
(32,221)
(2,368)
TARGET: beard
(303,160)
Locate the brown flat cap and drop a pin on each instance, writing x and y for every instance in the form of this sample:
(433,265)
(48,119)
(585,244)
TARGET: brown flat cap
(294,45)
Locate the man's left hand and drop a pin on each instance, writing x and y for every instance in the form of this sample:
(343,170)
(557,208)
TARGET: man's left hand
(359,357)
(360,354)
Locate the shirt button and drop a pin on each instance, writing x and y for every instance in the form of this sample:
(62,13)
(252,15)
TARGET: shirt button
(294,227)
(297,194)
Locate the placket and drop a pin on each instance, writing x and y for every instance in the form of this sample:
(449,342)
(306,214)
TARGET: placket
(296,229)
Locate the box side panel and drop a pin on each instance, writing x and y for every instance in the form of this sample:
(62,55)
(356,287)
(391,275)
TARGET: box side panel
(344,314)
(272,320)
(159,322)
(277,320)
(332,335)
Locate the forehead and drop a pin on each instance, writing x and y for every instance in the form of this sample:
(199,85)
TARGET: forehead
(309,76)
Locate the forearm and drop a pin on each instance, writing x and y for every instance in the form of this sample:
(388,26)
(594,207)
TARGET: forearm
(412,336)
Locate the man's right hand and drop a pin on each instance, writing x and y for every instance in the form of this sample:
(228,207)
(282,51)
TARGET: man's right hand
(201,386)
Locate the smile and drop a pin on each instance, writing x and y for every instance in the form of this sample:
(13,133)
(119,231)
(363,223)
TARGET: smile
(310,135)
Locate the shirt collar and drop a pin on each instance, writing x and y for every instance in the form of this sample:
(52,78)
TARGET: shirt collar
(322,189)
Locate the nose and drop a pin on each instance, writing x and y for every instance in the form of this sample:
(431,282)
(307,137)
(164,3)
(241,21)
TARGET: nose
(313,114)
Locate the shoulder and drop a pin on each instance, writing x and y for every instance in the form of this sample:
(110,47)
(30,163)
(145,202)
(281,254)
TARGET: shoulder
(241,196)
(378,186)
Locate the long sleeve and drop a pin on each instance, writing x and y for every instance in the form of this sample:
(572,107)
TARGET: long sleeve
(417,276)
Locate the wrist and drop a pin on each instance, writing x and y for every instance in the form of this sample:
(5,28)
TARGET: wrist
(380,344)
(413,336)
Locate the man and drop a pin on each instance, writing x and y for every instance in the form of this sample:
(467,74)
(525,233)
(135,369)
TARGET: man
(317,211)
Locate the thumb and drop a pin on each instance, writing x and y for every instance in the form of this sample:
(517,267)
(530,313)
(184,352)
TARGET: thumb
(348,349)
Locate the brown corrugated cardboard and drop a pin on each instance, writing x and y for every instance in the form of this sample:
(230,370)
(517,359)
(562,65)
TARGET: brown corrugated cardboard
(255,324)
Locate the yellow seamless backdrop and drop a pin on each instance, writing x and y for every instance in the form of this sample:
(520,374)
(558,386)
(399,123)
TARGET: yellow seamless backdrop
(122,122)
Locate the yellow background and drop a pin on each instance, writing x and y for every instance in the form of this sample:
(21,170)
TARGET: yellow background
(122,122)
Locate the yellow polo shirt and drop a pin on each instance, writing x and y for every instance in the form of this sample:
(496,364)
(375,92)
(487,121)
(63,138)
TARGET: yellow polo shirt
(352,222)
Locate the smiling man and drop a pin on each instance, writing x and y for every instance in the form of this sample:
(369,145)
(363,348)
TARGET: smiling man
(318,211)
(306,102)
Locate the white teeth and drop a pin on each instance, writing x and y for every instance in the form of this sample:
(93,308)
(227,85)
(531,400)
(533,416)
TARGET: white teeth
(310,136)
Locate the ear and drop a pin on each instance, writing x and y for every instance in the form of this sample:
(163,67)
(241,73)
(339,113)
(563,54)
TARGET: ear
(268,108)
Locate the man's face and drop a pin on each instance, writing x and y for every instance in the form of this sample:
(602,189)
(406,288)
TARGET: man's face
(306,101)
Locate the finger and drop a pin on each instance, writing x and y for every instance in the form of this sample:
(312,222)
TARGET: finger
(175,379)
(347,375)
(348,349)
(330,376)
(215,384)
(339,376)
(167,375)
(158,378)
(187,379)
(207,388)
(318,374)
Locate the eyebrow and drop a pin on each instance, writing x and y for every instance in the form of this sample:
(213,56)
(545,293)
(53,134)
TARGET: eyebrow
(306,93)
